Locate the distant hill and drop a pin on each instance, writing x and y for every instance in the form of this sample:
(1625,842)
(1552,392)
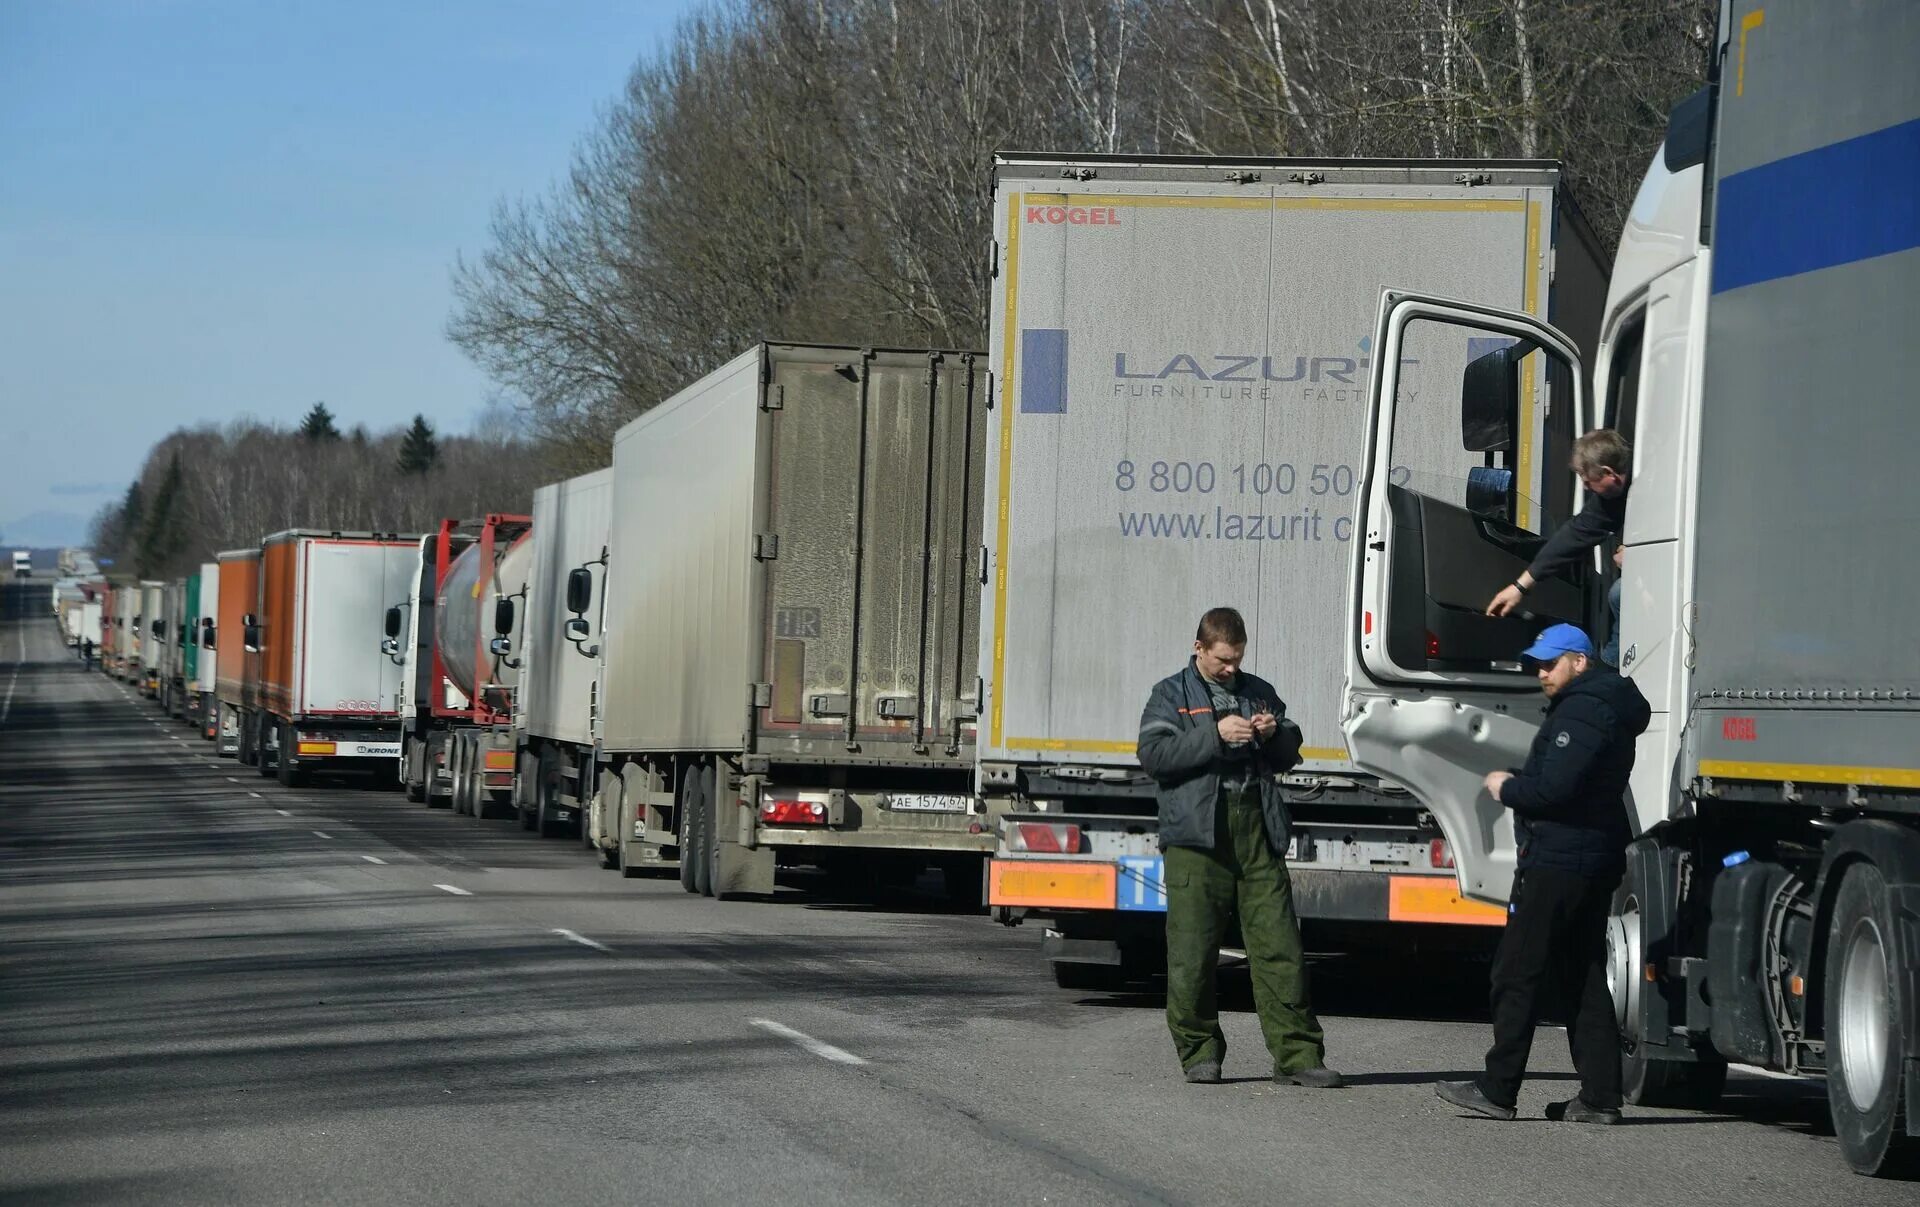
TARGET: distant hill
(45,530)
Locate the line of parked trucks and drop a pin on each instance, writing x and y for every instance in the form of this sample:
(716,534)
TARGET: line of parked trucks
(892,611)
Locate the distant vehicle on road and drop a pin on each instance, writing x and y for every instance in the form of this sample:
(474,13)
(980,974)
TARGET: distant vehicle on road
(22,564)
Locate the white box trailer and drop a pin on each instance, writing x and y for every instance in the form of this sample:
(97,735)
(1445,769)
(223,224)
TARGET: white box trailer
(1182,358)
(789,663)
(327,695)
(152,623)
(555,712)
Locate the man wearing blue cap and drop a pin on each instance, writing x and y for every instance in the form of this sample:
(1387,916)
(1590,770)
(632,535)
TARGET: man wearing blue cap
(1570,817)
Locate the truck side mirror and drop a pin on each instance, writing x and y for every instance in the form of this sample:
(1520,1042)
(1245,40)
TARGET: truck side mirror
(579,591)
(206,634)
(503,616)
(577,629)
(393,621)
(500,647)
(251,636)
(1490,398)
(389,646)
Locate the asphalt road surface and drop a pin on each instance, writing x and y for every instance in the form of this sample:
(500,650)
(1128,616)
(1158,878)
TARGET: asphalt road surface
(215,990)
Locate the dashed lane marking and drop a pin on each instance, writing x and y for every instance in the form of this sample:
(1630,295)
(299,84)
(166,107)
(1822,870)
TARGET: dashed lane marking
(374,859)
(455,889)
(820,1048)
(576,937)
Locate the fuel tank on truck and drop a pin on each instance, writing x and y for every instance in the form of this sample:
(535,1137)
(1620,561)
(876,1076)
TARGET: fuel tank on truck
(463,619)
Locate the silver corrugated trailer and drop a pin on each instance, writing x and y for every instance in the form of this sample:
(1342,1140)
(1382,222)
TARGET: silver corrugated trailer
(791,629)
(556,708)
(1182,349)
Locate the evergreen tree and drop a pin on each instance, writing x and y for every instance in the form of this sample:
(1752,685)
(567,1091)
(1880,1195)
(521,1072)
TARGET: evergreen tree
(162,535)
(125,527)
(318,425)
(418,449)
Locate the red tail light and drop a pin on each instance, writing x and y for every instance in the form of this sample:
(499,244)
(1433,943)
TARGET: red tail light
(793,812)
(1044,838)
(1440,853)
(1433,645)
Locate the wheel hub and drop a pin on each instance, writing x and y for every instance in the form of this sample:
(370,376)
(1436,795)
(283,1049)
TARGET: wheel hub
(1863,1024)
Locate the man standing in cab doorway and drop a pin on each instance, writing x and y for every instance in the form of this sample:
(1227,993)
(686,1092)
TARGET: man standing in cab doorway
(1215,740)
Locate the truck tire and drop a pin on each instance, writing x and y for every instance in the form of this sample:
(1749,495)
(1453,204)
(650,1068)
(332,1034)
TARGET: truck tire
(707,809)
(290,775)
(1866,1047)
(248,753)
(689,812)
(414,770)
(1646,1077)
(526,789)
(265,757)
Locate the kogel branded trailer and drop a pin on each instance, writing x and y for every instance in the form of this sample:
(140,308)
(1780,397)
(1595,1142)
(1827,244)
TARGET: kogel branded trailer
(555,710)
(788,661)
(1182,351)
(326,693)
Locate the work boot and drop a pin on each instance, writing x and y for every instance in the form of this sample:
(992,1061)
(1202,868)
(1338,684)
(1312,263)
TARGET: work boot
(1576,1110)
(1468,1096)
(1319,1077)
(1203,1072)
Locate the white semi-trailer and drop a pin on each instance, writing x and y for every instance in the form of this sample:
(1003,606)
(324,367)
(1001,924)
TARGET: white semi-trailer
(1181,349)
(1757,350)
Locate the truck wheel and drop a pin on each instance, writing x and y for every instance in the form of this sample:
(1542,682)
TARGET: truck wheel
(248,754)
(526,789)
(413,770)
(290,775)
(1866,1048)
(264,757)
(689,812)
(457,769)
(1646,1078)
(707,809)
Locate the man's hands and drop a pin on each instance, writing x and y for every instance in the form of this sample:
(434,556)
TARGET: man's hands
(1236,728)
(1264,725)
(1496,780)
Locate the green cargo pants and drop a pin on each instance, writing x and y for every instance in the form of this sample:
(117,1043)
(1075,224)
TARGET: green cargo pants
(1204,891)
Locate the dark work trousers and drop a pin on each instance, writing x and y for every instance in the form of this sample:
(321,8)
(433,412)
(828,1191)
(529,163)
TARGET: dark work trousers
(1556,937)
(1205,890)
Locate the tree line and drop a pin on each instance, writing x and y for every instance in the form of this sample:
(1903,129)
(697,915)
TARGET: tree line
(818,170)
(210,488)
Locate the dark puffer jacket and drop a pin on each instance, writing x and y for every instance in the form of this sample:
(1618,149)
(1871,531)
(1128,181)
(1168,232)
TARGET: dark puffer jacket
(1569,801)
(1180,748)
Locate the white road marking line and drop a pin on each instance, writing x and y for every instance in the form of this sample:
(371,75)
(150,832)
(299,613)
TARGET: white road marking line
(576,937)
(321,834)
(233,779)
(820,1048)
(283,813)
(455,889)
(374,859)
(256,796)
(13,680)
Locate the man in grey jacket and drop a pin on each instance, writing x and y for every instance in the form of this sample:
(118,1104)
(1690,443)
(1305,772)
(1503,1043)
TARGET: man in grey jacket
(1215,739)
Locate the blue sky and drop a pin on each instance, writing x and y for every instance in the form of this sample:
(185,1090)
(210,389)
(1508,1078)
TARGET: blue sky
(210,210)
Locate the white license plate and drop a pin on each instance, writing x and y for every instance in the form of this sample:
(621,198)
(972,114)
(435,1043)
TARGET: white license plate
(919,802)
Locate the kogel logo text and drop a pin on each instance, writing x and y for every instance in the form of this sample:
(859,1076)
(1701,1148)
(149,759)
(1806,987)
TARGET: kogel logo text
(1073,215)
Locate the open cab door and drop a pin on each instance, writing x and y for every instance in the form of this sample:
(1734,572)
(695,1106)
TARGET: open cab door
(1437,694)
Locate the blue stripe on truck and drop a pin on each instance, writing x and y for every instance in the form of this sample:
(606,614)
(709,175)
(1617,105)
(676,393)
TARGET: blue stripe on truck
(1833,205)
(1043,371)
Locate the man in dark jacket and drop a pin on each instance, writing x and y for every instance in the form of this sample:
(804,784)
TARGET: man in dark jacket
(1215,739)
(1601,458)
(1569,815)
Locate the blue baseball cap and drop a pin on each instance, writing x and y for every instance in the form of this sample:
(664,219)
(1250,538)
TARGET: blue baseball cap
(1557,640)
